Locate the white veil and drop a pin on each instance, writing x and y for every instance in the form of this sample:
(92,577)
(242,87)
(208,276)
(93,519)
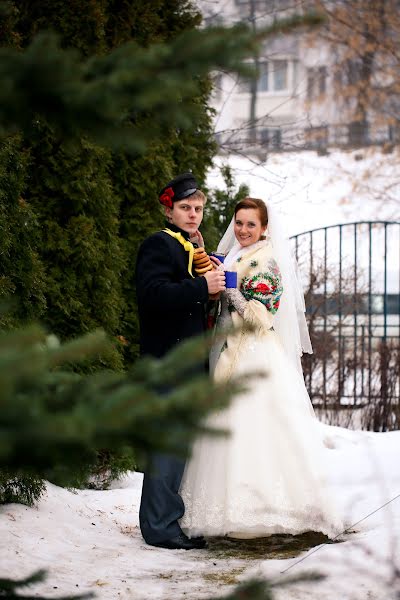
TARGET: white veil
(290,322)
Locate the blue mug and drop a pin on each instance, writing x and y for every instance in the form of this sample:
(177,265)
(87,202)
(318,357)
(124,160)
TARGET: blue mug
(230,279)
(221,257)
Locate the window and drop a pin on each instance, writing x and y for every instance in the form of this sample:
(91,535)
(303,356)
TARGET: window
(352,69)
(262,84)
(272,77)
(358,133)
(244,86)
(295,73)
(316,82)
(271,138)
(280,68)
(316,137)
(322,75)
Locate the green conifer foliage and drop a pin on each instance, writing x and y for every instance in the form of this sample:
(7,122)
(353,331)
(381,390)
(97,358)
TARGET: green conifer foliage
(71,190)
(20,487)
(140,180)
(80,24)
(95,209)
(22,276)
(91,208)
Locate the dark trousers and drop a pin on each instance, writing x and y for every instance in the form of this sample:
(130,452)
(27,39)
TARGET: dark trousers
(161,505)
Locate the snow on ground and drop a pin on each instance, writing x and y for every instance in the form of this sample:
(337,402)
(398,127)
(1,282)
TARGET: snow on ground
(316,191)
(89,540)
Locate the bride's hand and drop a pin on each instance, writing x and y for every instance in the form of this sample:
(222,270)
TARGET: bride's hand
(217,262)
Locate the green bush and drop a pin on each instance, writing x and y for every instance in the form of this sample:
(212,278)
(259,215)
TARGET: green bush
(20,487)
(22,272)
(73,214)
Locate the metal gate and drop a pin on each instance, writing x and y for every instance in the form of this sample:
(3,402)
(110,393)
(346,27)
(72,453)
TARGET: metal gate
(351,273)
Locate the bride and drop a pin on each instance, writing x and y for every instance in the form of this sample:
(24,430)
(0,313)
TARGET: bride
(266,477)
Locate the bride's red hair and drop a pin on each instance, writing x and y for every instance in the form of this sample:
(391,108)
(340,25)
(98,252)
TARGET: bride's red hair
(257,204)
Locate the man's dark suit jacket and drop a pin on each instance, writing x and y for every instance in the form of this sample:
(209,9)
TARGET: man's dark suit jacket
(170,302)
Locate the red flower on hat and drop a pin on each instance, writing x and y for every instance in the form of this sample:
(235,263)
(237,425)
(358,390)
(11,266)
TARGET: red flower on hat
(166,197)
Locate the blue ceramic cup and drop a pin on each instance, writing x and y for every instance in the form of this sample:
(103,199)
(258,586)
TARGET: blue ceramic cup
(230,279)
(221,257)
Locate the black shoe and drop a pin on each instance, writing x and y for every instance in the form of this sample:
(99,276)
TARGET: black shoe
(181,542)
(199,540)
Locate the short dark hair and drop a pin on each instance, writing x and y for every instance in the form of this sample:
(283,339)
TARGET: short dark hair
(258,205)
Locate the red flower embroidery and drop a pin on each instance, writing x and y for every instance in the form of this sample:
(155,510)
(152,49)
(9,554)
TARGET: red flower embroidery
(166,197)
(262,288)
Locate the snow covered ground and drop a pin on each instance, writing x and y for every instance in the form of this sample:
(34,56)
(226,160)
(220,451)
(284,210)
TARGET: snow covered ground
(317,191)
(89,540)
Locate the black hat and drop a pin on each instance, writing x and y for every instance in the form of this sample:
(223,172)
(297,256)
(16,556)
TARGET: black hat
(179,188)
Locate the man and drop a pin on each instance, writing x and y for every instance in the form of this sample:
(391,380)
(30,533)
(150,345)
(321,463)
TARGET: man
(171,303)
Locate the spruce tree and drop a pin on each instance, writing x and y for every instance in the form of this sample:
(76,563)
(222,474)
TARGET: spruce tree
(72,193)
(22,272)
(71,190)
(94,208)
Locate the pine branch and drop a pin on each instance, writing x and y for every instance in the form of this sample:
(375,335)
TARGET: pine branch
(103,97)
(9,588)
(52,419)
(264,590)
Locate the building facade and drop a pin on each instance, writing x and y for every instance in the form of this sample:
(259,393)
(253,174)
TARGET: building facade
(302,96)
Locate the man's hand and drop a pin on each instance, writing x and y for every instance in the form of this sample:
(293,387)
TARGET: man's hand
(215,281)
(197,238)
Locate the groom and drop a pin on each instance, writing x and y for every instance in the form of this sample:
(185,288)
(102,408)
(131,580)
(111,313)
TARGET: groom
(171,305)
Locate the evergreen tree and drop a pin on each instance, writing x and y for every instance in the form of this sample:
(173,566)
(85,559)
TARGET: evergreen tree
(94,208)
(22,273)
(20,487)
(53,421)
(71,191)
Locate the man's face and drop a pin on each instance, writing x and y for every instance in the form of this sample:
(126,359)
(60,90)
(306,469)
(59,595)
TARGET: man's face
(186,214)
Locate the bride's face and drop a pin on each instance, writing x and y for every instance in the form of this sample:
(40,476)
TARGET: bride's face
(248,227)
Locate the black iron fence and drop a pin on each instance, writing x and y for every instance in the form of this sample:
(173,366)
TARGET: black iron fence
(352,277)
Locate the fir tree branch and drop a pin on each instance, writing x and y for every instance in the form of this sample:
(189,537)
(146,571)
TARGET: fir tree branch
(101,96)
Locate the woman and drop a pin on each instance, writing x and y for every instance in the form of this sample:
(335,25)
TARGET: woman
(266,477)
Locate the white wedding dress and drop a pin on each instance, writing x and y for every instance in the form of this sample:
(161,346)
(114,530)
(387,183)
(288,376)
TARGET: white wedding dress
(267,476)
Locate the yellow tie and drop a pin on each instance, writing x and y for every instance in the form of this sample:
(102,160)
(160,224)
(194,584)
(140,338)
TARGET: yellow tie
(188,246)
